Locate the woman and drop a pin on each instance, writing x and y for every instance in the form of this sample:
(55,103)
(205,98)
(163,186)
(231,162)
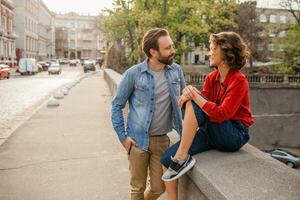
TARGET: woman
(218,117)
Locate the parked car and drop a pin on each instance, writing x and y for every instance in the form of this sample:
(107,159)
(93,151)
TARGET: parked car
(73,63)
(54,68)
(54,61)
(4,71)
(64,61)
(28,66)
(44,65)
(88,65)
(286,157)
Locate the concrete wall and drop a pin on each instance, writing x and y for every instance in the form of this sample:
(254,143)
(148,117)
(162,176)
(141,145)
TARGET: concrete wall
(277,117)
(275,101)
(248,174)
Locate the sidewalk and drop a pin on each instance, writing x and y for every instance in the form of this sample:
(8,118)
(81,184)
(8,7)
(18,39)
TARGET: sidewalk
(67,153)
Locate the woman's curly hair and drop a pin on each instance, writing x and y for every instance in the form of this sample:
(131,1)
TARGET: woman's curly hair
(234,50)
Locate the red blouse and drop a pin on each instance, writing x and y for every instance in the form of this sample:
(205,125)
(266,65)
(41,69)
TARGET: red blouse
(228,100)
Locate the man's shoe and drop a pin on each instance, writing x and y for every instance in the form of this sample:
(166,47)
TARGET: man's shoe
(178,167)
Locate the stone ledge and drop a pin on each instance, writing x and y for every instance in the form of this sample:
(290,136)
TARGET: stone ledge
(112,78)
(248,174)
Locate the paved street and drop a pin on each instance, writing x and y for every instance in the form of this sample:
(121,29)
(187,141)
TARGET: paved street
(67,153)
(20,95)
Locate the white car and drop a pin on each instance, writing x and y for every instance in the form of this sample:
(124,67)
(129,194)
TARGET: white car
(54,68)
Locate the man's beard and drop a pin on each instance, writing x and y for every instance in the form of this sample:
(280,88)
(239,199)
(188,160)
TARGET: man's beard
(166,60)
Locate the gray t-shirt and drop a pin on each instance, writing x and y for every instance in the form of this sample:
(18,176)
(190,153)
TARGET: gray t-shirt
(161,122)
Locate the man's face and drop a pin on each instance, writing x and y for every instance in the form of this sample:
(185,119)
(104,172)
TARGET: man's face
(166,50)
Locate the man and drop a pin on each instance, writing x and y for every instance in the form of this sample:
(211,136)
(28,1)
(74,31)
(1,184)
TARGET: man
(152,89)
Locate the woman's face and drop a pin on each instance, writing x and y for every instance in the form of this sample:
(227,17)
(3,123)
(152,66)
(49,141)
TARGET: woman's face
(215,56)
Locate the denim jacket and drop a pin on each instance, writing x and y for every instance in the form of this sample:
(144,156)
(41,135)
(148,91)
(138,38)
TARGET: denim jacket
(137,88)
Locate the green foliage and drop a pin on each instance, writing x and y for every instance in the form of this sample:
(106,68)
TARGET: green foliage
(248,27)
(291,51)
(187,21)
(283,69)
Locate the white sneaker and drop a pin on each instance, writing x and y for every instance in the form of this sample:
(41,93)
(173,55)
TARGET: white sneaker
(178,167)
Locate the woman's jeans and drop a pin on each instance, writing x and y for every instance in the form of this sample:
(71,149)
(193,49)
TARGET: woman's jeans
(228,136)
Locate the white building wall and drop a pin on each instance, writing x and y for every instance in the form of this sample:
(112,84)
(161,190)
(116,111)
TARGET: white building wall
(45,33)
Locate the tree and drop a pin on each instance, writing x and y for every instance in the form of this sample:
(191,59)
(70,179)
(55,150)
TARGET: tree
(118,27)
(291,51)
(248,26)
(291,44)
(187,21)
(293,6)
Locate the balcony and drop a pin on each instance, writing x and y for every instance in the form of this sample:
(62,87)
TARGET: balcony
(85,47)
(72,47)
(86,38)
(8,3)
(12,35)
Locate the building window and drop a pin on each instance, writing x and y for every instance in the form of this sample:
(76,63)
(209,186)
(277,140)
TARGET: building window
(10,24)
(283,19)
(260,47)
(282,33)
(272,33)
(27,43)
(5,49)
(1,47)
(261,34)
(271,47)
(273,18)
(263,18)
(4,23)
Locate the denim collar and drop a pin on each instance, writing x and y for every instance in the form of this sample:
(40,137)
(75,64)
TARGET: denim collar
(145,66)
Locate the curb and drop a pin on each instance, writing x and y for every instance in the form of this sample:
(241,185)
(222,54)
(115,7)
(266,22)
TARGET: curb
(41,103)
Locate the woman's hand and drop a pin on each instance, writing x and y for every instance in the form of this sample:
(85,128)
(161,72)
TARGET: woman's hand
(188,93)
(191,93)
(182,99)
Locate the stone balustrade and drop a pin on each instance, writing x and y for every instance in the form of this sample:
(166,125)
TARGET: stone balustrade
(254,80)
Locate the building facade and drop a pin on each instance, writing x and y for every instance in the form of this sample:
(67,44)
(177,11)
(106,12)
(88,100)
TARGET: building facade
(276,22)
(61,42)
(46,33)
(84,39)
(26,13)
(7,33)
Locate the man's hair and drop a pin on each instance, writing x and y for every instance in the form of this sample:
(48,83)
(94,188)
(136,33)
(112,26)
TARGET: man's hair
(150,40)
(233,49)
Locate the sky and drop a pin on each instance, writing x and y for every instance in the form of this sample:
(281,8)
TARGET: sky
(92,7)
(270,4)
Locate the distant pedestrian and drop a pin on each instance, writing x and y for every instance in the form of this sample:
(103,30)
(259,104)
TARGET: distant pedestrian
(152,89)
(219,116)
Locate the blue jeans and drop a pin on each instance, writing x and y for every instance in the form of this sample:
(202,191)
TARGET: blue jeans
(228,136)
